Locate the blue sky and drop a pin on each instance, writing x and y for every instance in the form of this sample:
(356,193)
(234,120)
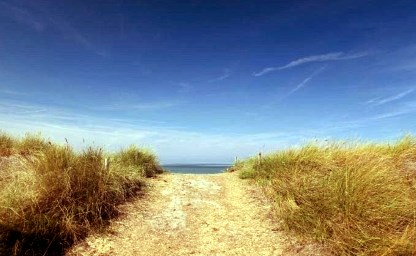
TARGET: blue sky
(204,81)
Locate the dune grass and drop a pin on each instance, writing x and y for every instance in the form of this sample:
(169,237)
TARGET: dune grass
(137,159)
(352,198)
(52,196)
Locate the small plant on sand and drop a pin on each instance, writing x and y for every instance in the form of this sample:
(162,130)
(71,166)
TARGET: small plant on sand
(133,157)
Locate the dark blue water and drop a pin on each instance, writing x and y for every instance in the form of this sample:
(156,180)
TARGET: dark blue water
(196,168)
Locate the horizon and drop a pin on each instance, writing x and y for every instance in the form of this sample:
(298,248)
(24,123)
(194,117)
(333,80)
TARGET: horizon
(204,82)
(197,164)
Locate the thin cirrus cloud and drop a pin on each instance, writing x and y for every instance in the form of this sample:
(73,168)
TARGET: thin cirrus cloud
(68,31)
(139,106)
(22,16)
(380,101)
(170,143)
(184,87)
(404,109)
(305,81)
(391,114)
(334,56)
(225,75)
(11,92)
(45,20)
(297,87)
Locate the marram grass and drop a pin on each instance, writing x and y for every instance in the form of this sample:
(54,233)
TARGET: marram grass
(353,198)
(52,196)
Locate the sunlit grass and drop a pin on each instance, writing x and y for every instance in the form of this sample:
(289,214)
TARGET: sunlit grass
(52,196)
(141,159)
(353,198)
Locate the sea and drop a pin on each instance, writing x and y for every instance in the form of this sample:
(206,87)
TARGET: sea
(196,168)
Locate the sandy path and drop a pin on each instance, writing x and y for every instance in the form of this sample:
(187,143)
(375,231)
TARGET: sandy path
(186,214)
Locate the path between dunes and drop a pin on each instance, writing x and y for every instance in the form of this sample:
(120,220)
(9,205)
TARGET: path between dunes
(190,214)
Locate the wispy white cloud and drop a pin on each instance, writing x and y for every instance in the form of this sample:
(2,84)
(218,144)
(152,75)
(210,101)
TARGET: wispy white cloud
(335,56)
(395,97)
(402,59)
(380,101)
(69,32)
(299,86)
(391,114)
(11,92)
(40,21)
(408,67)
(373,100)
(226,73)
(172,144)
(305,81)
(402,109)
(16,107)
(184,87)
(366,120)
(56,114)
(139,106)
(397,111)
(22,16)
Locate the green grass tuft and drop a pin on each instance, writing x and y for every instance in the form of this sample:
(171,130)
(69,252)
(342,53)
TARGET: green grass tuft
(136,158)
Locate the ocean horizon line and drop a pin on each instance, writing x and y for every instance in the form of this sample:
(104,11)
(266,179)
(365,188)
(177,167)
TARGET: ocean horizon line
(197,164)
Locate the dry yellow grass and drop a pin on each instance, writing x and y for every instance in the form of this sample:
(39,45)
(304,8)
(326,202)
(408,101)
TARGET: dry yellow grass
(353,198)
(52,196)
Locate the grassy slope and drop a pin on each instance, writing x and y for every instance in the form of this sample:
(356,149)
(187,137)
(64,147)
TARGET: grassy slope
(354,199)
(51,196)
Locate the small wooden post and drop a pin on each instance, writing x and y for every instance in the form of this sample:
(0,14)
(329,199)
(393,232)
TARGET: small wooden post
(258,166)
(107,163)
